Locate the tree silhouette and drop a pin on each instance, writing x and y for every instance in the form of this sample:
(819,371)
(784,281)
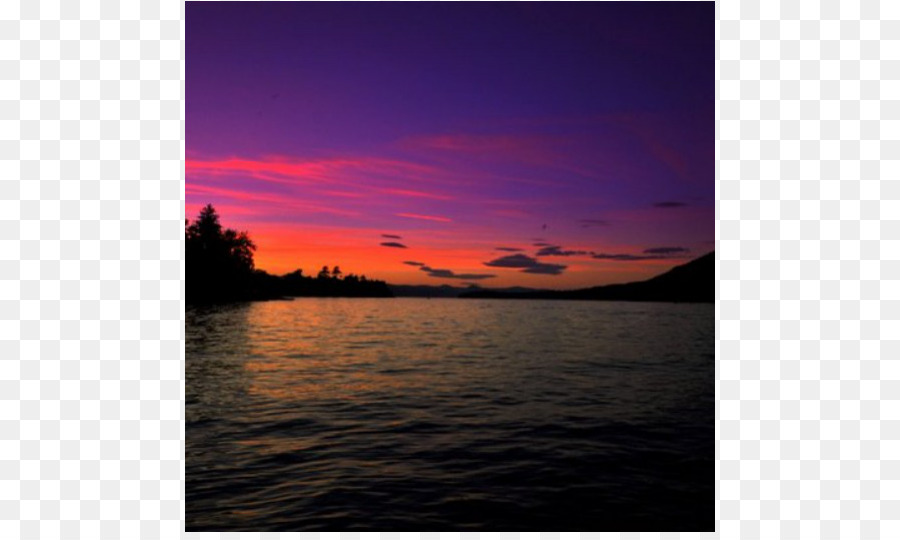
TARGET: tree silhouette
(220,268)
(219,262)
(206,237)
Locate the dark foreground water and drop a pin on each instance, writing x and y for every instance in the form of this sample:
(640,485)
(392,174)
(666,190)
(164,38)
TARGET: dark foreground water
(445,414)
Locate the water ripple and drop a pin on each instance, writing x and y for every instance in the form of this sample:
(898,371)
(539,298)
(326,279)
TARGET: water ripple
(405,414)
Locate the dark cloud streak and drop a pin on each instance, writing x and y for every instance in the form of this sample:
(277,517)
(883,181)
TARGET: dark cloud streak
(654,253)
(545,268)
(624,257)
(669,204)
(648,256)
(666,251)
(527,264)
(558,251)
(393,245)
(444,273)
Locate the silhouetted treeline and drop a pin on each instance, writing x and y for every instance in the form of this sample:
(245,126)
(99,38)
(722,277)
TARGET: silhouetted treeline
(219,267)
(324,284)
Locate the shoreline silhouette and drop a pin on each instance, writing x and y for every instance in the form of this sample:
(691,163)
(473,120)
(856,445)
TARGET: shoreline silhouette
(220,268)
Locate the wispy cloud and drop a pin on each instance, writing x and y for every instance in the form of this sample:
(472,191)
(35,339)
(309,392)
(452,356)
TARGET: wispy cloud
(393,245)
(413,263)
(425,217)
(587,223)
(308,171)
(682,152)
(510,249)
(394,236)
(353,177)
(416,193)
(261,203)
(550,151)
(527,264)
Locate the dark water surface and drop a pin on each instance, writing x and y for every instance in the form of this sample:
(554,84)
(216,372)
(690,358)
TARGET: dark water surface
(446,414)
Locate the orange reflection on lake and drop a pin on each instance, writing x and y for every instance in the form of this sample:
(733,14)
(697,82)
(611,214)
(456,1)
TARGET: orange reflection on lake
(298,354)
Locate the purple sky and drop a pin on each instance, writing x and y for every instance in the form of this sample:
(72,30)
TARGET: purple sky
(460,128)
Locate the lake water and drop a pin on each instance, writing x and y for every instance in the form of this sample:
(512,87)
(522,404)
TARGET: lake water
(449,414)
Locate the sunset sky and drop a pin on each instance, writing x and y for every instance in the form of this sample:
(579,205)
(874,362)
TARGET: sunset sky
(554,145)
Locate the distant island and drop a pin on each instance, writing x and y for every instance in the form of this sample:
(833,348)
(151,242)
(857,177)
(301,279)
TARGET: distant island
(220,268)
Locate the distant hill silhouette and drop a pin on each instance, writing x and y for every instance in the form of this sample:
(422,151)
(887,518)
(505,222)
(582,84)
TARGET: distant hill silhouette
(691,282)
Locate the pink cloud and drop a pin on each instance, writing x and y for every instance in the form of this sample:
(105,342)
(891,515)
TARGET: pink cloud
(414,193)
(422,216)
(260,203)
(528,148)
(572,153)
(355,172)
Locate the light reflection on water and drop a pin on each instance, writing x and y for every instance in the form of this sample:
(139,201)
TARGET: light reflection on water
(450,414)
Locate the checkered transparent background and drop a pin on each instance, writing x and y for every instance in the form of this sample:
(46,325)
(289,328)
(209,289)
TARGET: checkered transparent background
(91,331)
